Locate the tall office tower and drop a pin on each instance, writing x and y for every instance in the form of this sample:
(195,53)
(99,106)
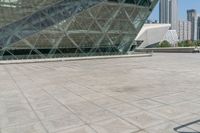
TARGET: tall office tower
(192,16)
(181,30)
(169,13)
(164,11)
(198,28)
(184,30)
(189,30)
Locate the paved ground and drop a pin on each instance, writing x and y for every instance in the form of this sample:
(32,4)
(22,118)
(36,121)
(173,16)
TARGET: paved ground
(133,95)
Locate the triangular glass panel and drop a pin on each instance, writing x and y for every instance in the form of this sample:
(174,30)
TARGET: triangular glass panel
(102,22)
(43,41)
(20,45)
(84,14)
(65,43)
(115,38)
(94,26)
(95,10)
(121,14)
(135,13)
(103,14)
(105,42)
(130,10)
(74,25)
(78,38)
(84,23)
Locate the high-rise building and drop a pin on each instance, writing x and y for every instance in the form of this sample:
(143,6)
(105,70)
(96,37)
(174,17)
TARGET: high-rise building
(169,13)
(181,30)
(192,16)
(164,11)
(198,28)
(184,30)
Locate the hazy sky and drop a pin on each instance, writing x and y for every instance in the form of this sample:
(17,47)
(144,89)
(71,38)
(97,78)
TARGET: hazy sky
(183,6)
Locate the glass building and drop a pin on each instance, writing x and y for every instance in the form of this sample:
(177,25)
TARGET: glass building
(67,28)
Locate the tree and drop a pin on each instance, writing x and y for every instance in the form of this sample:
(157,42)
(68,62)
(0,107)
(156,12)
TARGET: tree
(188,43)
(165,44)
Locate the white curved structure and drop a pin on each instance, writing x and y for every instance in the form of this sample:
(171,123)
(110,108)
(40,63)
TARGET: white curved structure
(172,37)
(151,34)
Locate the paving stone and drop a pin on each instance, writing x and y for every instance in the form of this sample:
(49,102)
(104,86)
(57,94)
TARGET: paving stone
(123,109)
(114,126)
(167,127)
(147,104)
(82,129)
(144,119)
(30,128)
(63,123)
(170,112)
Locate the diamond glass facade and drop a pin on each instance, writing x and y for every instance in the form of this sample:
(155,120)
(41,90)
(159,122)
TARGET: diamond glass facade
(68,28)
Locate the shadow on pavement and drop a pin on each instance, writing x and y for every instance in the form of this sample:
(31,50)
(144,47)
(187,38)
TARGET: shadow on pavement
(182,128)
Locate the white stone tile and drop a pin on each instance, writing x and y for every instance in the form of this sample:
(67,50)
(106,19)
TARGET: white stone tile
(169,99)
(167,127)
(187,119)
(84,106)
(144,119)
(188,107)
(147,104)
(128,98)
(30,128)
(66,122)
(99,115)
(114,126)
(106,102)
(123,109)
(17,119)
(54,112)
(82,129)
(170,112)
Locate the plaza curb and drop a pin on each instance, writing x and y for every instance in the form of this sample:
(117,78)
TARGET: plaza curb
(4,62)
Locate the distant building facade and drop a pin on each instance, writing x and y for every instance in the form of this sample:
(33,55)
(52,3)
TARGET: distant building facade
(184,30)
(198,28)
(169,13)
(193,18)
(152,22)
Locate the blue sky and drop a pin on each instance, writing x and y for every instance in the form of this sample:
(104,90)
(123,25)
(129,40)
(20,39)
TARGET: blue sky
(183,6)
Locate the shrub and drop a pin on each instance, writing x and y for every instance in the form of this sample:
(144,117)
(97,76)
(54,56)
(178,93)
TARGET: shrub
(165,44)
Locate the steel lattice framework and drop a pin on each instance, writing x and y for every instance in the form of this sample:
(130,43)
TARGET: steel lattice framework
(65,28)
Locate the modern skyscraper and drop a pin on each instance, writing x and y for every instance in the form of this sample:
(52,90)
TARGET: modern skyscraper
(198,28)
(169,13)
(192,17)
(184,30)
(164,11)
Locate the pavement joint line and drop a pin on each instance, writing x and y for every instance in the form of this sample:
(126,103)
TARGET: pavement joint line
(146,110)
(84,123)
(28,102)
(118,116)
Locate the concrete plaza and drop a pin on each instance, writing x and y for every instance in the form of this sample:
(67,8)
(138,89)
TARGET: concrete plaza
(127,95)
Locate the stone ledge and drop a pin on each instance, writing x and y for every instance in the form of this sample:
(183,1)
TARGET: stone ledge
(71,59)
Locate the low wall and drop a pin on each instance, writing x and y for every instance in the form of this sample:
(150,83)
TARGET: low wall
(167,50)
(2,62)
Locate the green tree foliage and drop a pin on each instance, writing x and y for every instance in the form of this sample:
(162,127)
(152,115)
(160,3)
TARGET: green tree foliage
(164,44)
(189,43)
